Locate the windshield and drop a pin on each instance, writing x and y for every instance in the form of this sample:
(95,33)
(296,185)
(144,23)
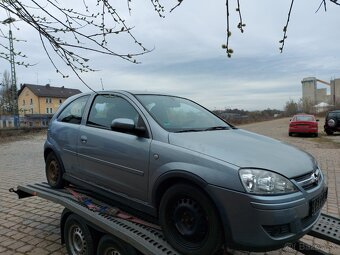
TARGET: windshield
(180,115)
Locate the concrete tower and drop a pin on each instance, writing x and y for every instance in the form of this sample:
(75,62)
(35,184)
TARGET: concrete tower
(335,92)
(309,90)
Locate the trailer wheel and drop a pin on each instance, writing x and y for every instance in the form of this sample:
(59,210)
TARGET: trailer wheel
(190,221)
(54,171)
(78,238)
(110,245)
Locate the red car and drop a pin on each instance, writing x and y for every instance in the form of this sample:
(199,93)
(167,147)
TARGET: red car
(303,124)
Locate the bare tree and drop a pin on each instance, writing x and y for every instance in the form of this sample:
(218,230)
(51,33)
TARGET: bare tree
(70,33)
(6,102)
(291,108)
(306,105)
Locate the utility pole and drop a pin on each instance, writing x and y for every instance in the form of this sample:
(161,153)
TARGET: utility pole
(14,89)
(13,74)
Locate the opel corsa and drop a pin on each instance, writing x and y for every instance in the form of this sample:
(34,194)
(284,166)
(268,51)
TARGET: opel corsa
(206,182)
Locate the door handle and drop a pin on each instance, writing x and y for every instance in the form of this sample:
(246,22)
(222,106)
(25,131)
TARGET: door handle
(83,139)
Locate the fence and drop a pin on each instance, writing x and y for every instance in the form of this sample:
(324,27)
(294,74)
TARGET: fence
(7,121)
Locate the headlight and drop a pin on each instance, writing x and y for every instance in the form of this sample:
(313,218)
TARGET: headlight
(265,182)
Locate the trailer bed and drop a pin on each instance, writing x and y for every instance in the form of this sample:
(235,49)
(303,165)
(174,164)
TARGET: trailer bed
(145,239)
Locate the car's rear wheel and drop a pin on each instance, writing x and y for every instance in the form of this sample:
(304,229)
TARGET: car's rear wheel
(290,133)
(328,132)
(78,238)
(109,245)
(190,221)
(54,171)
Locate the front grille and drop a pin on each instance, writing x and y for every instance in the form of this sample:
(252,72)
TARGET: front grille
(277,230)
(309,180)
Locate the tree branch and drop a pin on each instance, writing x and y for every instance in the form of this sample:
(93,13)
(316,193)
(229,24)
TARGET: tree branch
(285,28)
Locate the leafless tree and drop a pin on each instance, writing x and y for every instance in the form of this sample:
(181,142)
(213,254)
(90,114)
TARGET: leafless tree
(306,105)
(71,33)
(291,108)
(6,102)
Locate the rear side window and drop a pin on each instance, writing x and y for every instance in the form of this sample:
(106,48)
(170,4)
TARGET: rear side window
(74,111)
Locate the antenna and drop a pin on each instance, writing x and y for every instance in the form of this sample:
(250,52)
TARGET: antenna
(101,81)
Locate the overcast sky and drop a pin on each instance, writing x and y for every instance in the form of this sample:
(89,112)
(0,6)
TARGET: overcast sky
(188,59)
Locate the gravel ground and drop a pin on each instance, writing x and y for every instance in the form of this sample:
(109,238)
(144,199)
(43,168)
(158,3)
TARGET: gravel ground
(31,226)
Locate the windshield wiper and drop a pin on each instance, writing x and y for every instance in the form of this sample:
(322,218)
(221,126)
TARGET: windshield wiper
(189,130)
(216,128)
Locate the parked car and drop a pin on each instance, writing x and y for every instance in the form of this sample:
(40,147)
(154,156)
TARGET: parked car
(332,122)
(303,124)
(207,182)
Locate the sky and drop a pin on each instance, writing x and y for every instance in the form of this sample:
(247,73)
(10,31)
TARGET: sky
(187,58)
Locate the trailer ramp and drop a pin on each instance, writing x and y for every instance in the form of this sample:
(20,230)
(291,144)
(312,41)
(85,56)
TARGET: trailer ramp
(145,239)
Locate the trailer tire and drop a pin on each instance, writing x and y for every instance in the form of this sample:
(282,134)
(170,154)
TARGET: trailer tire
(78,237)
(111,245)
(190,220)
(54,171)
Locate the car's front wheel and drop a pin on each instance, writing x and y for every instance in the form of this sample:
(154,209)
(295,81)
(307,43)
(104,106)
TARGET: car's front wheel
(190,221)
(54,171)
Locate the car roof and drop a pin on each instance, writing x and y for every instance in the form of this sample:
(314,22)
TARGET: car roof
(133,92)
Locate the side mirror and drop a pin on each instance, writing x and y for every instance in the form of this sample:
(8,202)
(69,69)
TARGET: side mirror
(123,124)
(127,126)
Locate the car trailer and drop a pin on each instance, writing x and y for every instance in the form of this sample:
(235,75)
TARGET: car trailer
(87,223)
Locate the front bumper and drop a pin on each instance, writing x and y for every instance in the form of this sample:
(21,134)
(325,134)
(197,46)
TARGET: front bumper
(262,223)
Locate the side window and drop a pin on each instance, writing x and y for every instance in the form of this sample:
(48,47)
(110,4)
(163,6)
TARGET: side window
(74,111)
(106,108)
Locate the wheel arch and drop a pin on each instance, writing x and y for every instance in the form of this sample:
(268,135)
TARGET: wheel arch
(47,151)
(64,215)
(165,181)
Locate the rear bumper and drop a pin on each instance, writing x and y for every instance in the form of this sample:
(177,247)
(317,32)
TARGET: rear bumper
(258,223)
(333,129)
(303,130)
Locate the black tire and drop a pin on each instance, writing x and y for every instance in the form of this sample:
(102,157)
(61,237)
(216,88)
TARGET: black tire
(316,135)
(290,133)
(190,221)
(54,171)
(328,132)
(111,245)
(78,238)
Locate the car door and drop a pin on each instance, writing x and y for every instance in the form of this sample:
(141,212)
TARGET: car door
(64,133)
(110,159)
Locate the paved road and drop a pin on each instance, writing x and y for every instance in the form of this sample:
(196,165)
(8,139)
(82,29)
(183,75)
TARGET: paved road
(31,226)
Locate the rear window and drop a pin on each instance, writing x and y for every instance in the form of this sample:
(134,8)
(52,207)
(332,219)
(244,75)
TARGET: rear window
(334,115)
(304,118)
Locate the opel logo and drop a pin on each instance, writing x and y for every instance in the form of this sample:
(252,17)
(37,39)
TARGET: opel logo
(315,176)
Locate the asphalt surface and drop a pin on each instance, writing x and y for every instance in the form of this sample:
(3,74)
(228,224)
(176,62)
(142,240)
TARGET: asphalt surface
(31,226)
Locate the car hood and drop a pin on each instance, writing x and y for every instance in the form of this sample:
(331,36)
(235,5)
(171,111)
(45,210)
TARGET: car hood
(246,149)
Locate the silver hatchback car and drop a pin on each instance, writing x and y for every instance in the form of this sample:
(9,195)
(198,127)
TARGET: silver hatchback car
(205,181)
